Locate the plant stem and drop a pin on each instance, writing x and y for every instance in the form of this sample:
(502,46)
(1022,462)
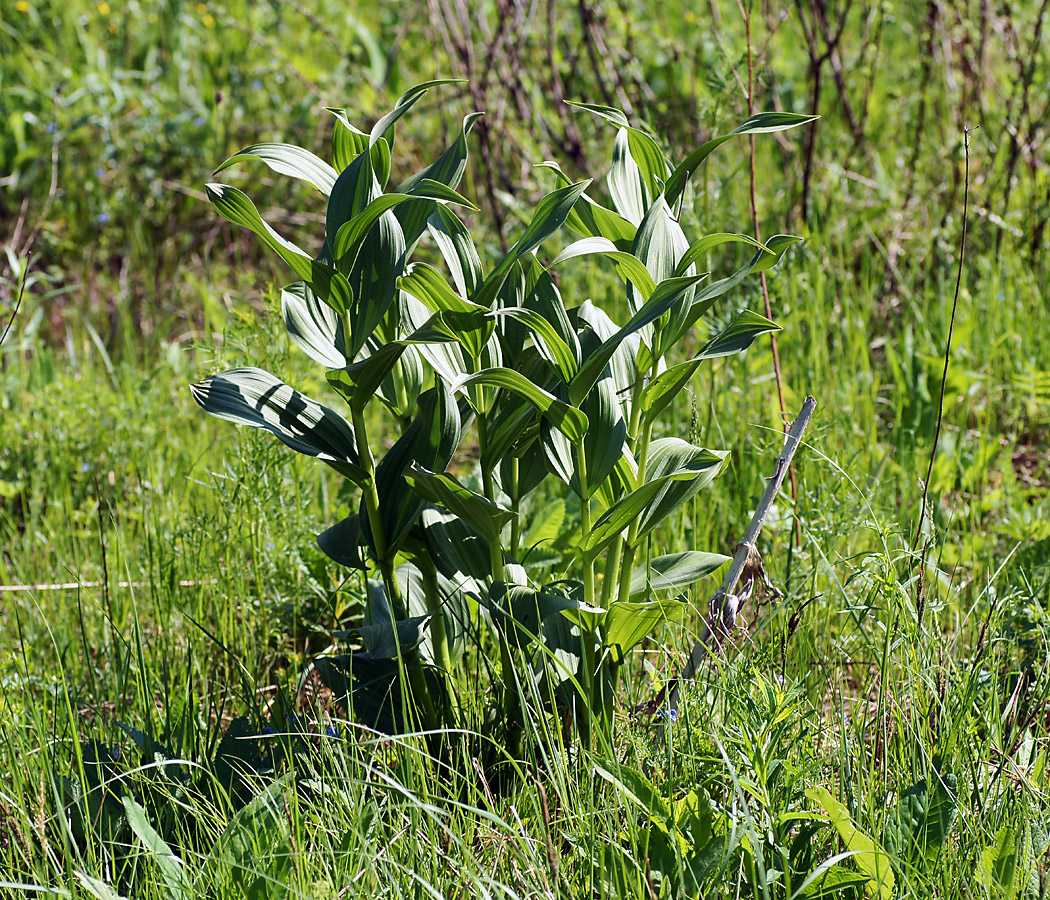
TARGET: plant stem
(948,343)
(612,560)
(385,561)
(588,640)
(627,562)
(515,505)
(511,699)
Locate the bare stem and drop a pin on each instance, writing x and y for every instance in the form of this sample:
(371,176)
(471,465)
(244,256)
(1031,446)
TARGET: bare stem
(948,345)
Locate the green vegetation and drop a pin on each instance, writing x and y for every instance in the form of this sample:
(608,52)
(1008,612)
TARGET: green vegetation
(169,727)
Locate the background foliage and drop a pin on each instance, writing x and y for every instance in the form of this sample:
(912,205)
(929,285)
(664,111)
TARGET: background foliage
(202,595)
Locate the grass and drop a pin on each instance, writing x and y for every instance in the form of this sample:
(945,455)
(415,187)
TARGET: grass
(171,676)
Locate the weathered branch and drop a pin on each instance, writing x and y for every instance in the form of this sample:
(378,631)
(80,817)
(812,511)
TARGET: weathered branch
(726,603)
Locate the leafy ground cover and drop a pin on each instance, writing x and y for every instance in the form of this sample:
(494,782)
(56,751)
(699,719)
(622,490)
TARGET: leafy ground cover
(881,730)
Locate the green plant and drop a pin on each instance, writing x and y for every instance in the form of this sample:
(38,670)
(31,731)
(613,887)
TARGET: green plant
(550,389)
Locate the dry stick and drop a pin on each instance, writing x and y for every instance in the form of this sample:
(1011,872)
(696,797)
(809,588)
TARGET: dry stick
(948,345)
(725,605)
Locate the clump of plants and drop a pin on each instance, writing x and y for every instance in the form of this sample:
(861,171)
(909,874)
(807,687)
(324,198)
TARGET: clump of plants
(419,333)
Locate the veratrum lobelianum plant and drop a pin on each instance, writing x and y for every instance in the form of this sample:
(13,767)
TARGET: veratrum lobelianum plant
(561,401)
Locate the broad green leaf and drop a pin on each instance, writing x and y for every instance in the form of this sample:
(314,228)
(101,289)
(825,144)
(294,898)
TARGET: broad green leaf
(235,206)
(616,519)
(622,363)
(453,607)
(706,296)
(740,334)
(428,285)
(94,886)
(471,329)
(447,169)
(626,185)
(405,102)
(348,142)
(518,611)
(549,215)
(591,219)
(483,515)
(515,424)
(373,279)
(660,244)
(255,398)
(677,470)
(541,295)
(628,622)
(667,293)
(774,251)
(567,419)
(441,352)
(372,689)
(683,470)
(700,248)
(606,434)
(757,124)
(640,153)
(869,857)
(342,543)
(675,570)
(351,235)
(609,113)
(359,382)
(460,552)
(457,249)
(548,342)
(639,790)
(429,442)
(632,268)
(650,161)
(354,191)
(173,875)
(923,818)
(312,325)
(1000,862)
(288,159)
(395,640)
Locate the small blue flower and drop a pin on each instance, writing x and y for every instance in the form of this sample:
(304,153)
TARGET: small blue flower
(99,173)
(50,127)
(256,84)
(332,731)
(102,218)
(198,121)
(85,468)
(671,715)
(268,730)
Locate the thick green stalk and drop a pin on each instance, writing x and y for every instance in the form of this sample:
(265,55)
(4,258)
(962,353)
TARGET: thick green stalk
(627,562)
(385,561)
(613,557)
(515,505)
(511,698)
(588,573)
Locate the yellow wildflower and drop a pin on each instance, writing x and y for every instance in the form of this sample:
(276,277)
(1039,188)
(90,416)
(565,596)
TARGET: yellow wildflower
(103,8)
(22,6)
(208,21)
(201,9)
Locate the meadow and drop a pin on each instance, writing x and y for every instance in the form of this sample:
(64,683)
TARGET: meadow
(878,726)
